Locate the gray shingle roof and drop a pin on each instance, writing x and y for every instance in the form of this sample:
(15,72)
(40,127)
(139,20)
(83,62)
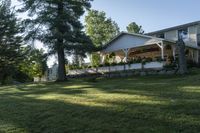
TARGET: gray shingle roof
(153,39)
(174,28)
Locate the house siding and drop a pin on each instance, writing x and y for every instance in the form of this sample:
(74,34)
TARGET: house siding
(126,41)
(198,29)
(192,33)
(196,56)
(171,35)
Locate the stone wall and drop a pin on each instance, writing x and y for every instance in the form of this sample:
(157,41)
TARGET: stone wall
(102,70)
(130,73)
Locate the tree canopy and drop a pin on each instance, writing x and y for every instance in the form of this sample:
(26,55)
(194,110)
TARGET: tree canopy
(135,28)
(56,24)
(100,28)
(34,63)
(10,41)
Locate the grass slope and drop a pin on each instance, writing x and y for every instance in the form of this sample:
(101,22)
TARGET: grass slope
(157,104)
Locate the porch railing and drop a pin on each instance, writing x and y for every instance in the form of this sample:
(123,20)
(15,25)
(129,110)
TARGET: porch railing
(135,66)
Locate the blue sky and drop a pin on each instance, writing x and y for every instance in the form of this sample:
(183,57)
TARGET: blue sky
(151,14)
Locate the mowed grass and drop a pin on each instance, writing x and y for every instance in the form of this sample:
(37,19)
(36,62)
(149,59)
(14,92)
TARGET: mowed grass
(153,104)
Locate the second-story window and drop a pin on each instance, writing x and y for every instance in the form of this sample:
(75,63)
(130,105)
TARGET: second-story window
(162,35)
(198,40)
(183,33)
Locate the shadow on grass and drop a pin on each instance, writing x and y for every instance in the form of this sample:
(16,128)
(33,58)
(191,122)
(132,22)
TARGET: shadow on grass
(180,111)
(32,115)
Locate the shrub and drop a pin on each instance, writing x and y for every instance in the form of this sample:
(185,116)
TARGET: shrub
(144,61)
(168,47)
(159,59)
(95,59)
(149,59)
(22,77)
(100,65)
(91,79)
(131,61)
(171,59)
(74,67)
(106,60)
(107,64)
(112,55)
(191,63)
(121,63)
(138,60)
(89,66)
(170,66)
(113,64)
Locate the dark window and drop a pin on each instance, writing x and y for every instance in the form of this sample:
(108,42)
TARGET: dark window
(161,35)
(198,39)
(183,34)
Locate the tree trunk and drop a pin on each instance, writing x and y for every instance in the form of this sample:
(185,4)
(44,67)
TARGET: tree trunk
(182,58)
(61,65)
(60,46)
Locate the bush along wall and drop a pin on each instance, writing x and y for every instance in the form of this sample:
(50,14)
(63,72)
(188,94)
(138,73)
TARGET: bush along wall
(107,63)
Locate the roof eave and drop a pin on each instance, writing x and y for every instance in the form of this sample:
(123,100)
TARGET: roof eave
(174,28)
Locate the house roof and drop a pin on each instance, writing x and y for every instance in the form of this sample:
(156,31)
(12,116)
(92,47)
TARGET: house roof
(153,39)
(174,28)
(148,40)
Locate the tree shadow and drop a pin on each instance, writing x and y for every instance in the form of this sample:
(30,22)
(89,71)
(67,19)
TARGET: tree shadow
(31,115)
(171,109)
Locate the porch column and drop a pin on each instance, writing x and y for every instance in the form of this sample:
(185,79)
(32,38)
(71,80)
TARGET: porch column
(126,54)
(162,51)
(102,58)
(161,45)
(192,55)
(174,52)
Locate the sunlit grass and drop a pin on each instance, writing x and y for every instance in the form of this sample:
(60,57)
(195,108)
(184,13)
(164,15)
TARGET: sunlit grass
(138,104)
(195,89)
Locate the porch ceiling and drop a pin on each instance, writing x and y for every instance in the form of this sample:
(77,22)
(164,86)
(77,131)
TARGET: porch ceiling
(132,50)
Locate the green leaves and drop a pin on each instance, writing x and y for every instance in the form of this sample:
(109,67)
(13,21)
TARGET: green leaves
(51,20)
(10,41)
(99,28)
(134,28)
(34,63)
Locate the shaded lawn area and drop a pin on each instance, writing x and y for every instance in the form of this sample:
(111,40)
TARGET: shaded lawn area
(157,104)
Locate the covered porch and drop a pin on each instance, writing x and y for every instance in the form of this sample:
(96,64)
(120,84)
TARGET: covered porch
(129,47)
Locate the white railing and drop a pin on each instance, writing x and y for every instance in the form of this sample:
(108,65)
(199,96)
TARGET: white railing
(136,66)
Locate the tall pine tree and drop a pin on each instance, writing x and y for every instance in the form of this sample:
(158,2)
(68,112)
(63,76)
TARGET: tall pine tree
(56,23)
(10,41)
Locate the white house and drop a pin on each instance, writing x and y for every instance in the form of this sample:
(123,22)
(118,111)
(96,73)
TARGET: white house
(158,44)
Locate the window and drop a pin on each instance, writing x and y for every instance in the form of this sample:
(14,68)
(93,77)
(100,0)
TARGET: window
(161,35)
(183,34)
(198,40)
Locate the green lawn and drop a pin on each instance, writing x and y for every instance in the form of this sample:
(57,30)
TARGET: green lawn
(154,104)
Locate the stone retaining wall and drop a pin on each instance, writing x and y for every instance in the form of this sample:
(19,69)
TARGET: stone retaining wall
(128,73)
(108,69)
